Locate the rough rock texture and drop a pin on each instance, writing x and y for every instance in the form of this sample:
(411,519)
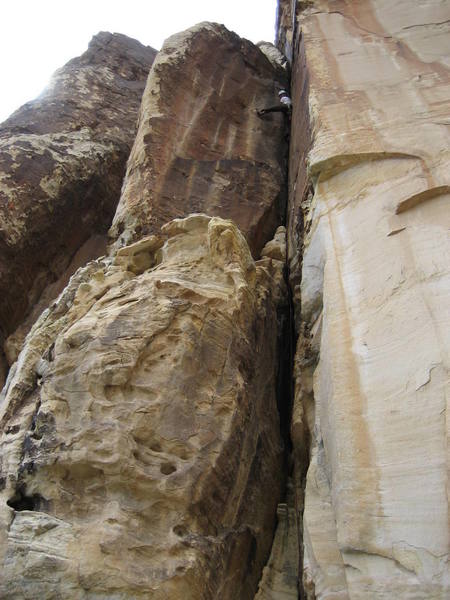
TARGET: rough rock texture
(62,160)
(140,447)
(371,248)
(280,576)
(200,146)
(285,27)
(277,58)
(140,440)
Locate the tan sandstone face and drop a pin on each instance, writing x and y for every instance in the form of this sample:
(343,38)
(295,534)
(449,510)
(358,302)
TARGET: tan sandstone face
(141,449)
(200,145)
(146,453)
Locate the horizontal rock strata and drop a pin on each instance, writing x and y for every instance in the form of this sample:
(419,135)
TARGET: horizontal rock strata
(140,446)
(373,354)
(62,160)
(200,145)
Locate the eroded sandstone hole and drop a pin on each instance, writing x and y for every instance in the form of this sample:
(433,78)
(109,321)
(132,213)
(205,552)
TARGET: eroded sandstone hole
(21,501)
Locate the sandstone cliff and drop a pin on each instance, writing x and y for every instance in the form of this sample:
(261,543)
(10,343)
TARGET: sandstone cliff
(62,160)
(141,449)
(140,429)
(200,145)
(157,433)
(368,240)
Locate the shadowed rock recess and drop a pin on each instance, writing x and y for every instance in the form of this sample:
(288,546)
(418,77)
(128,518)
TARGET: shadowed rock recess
(62,160)
(183,424)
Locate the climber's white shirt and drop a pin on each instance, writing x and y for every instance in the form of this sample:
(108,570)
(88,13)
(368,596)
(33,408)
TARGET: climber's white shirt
(286,100)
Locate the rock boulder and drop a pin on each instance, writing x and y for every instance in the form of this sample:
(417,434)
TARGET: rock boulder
(140,445)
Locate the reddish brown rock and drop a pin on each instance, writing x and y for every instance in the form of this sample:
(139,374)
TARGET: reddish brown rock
(62,159)
(200,146)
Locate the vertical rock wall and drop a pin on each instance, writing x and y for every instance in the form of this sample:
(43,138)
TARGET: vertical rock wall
(200,146)
(369,259)
(140,440)
(62,160)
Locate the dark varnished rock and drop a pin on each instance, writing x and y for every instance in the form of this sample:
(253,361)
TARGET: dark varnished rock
(62,159)
(200,145)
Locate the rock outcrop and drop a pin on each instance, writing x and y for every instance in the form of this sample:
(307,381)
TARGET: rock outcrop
(141,450)
(285,27)
(368,239)
(200,145)
(156,432)
(62,161)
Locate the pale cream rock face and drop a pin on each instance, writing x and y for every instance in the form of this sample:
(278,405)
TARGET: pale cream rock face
(375,301)
(276,248)
(141,451)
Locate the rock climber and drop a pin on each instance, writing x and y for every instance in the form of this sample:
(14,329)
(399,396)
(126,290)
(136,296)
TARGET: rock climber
(285,105)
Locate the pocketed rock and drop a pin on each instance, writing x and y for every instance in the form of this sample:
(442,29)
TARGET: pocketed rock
(62,161)
(200,145)
(141,451)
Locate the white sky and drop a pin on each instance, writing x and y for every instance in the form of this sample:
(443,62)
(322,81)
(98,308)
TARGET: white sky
(39,36)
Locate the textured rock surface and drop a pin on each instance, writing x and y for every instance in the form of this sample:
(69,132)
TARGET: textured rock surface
(200,144)
(62,160)
(285,26)
(372,361)
(141,451)
(140,440)
(280,576)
